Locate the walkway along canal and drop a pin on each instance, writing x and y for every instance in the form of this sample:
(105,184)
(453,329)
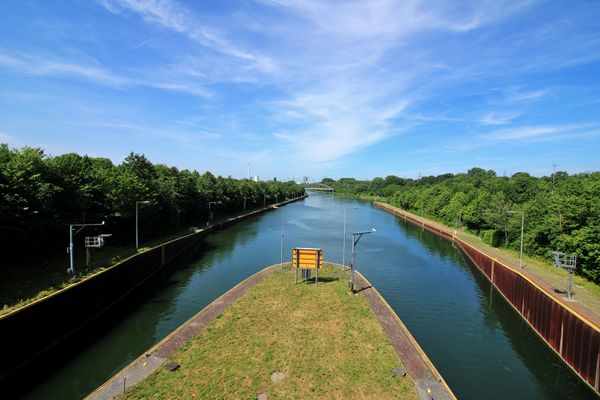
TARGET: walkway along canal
(482,348)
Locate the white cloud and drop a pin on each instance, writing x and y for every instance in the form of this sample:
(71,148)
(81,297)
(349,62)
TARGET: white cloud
(542,133)
(498,118)
(172,15)
(517,95)
(38,66)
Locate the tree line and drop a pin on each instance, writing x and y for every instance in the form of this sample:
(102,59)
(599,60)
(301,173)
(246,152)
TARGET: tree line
(562,211)
(41,195)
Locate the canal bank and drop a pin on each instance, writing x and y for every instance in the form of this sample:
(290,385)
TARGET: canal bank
(266,301)
(566,328)
(478,343)
(62,314)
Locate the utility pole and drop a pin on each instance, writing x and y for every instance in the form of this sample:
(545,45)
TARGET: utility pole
(355,238)
(282,233)
(344,245)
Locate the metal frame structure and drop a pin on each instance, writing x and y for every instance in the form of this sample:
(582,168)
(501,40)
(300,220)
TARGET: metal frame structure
(355,238)
(568,262)
(93,242)
(71,248)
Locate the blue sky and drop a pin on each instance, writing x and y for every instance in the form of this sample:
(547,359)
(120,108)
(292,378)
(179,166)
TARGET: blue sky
(307,87)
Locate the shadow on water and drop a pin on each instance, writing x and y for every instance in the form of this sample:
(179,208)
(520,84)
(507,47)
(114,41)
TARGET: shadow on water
(554,378)
(478,342)
(101,340)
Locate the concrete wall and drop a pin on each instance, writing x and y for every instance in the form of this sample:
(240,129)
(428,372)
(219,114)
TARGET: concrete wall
(575,339)
(31,330)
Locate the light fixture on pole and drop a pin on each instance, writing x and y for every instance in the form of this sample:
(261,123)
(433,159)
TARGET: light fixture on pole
(71,249)
(522,227)
(344,245)
(137,203)
(355,238)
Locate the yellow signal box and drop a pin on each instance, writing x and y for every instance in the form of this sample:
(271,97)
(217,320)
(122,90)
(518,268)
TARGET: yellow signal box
(307,259)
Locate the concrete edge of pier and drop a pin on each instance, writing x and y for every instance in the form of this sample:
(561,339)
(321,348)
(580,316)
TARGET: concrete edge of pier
(152,359)
(427,379)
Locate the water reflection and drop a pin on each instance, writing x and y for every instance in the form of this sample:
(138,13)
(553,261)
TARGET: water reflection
(476,340)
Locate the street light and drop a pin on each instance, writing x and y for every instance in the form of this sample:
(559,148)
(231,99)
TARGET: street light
(522,225)
(244,203)
(137,203)
(355,238)
(210,216)
(282,231)
(71,249)
(344,247)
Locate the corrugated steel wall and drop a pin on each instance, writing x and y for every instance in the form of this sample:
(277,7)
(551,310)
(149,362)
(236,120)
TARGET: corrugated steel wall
(575,340)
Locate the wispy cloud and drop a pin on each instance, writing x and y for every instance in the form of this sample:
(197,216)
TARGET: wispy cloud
(178,18)
(518,95)
(498,118)
(38,66)
(542,133)
(307,83)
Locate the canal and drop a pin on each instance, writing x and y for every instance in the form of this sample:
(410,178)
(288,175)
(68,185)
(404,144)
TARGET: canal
(478,343)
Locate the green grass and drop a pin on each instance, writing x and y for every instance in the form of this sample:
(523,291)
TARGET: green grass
(326,341)
(22,284)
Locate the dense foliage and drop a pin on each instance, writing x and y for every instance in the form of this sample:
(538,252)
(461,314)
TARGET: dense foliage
(41,195)
(562,212)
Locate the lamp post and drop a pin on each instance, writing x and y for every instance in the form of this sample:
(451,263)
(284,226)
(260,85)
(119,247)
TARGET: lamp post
(71,249)
(282,232)
(137,241)
(522,227)
(344,246)
(355,238)
(244,203)
(210,216)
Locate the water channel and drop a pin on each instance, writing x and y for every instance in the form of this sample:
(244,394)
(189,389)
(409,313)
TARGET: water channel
(478,343)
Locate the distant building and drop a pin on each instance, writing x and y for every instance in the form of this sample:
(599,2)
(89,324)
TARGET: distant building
(305,179)
(255,178)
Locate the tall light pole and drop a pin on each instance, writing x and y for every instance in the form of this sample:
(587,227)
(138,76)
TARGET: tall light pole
(344,246)
(71,249)
(137,241)
(355,238)
(522,227)
(282,232)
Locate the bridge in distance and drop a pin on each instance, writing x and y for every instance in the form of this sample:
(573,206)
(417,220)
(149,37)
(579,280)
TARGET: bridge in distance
(318,187)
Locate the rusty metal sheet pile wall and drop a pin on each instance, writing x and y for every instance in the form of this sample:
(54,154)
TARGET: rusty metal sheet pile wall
(575,340)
